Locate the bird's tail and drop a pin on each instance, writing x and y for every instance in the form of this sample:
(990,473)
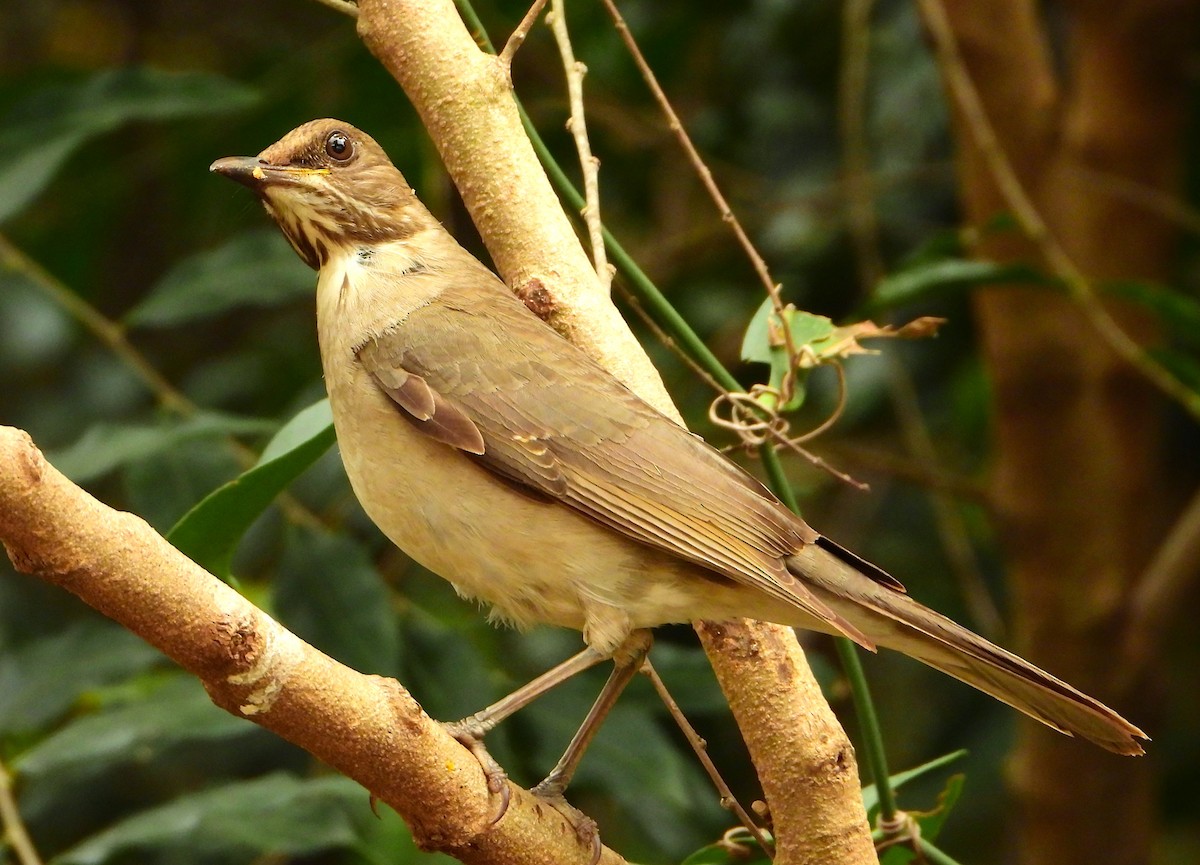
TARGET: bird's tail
(892,619)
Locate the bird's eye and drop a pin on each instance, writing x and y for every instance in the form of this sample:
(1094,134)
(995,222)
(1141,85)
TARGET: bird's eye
(338,146)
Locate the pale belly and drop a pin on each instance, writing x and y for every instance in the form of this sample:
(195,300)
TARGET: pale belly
(533,561)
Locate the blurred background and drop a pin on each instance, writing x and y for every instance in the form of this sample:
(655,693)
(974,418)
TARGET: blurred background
(155,329)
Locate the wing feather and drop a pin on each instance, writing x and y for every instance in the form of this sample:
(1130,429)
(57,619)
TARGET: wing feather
(550,419)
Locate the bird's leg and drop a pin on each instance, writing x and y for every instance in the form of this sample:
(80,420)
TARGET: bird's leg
(628,661)
(471,730)
(483,722)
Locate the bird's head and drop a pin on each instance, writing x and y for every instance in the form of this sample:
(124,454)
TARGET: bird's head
(329,186)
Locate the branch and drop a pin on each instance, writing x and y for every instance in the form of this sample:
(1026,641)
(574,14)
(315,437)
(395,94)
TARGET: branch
(367,727)
(589,165)
(14,835)
(517,39)
(464,100)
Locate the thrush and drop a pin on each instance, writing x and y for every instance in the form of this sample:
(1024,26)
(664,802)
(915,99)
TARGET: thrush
(503,458)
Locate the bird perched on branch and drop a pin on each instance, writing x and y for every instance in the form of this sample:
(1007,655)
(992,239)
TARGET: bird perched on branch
(503,458)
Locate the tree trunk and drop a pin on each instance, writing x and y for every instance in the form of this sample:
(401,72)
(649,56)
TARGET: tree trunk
(1078,451)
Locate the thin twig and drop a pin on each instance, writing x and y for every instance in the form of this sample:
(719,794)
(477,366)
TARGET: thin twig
(778,436)
(908,470)
(951,527)
(589,165)
(702,170)
(669,341)
(1019,202)
(856,154)
(346,7)
(676,126)
(1158,589)
(700,747)
(14,827)
(517,39)
(104,329)
(112,335)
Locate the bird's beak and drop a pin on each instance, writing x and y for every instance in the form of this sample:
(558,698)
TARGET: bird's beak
(246,170)
(253,172)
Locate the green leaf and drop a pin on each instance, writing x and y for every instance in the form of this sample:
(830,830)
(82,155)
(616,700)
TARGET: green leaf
(257,268)
(763,343)
(943,276)
(176,712)
(747,853)
(209,533)
(871,793)
(44,679)
(816,340)
(329,593)
(105,447)
(929,825)
(1185,367)
(933,821)
(278,815)
(47,127)
(759,346)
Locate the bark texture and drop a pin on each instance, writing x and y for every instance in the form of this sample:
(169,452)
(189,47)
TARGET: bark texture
(1078,455)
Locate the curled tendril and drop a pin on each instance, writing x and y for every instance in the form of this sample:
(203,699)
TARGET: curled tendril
(757,422)
(749,417)
(904,829)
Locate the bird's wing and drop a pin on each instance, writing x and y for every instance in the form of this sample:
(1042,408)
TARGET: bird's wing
(479,372)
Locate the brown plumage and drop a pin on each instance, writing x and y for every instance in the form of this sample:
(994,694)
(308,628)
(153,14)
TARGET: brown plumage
(503,458)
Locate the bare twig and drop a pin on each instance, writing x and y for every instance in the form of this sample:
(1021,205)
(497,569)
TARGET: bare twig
(111,334)
(517,39)
(1175,567)
(1017,199)
(14,831)
(700,748)
(104,329)
(908,470)
(951,527)
(702,170)
(346,7)
(589,165)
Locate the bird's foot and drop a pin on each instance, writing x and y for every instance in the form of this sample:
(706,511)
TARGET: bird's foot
(551,792)
(469,733)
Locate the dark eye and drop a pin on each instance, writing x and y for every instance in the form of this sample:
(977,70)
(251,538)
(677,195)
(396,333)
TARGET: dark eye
(338,146)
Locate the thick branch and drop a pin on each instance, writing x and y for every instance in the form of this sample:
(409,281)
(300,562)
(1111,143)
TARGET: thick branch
(367,727)
(464,98)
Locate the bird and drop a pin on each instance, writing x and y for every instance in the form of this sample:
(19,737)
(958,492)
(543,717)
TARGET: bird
(505,459)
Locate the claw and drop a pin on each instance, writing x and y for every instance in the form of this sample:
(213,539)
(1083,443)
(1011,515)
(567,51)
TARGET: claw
(586,830)
(470,738)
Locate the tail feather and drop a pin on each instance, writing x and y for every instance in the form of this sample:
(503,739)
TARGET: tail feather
(896,621)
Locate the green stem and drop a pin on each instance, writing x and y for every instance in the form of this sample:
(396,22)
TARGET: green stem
(936,856)
(872,735)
